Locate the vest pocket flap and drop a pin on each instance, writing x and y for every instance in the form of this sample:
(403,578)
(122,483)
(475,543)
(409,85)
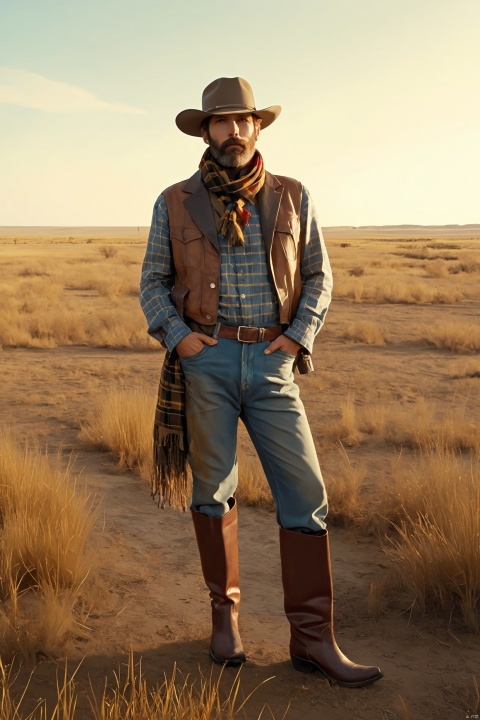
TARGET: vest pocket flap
(185,235)
(287,224)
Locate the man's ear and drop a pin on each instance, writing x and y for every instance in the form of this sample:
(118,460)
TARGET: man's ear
(258,124)
(204,136)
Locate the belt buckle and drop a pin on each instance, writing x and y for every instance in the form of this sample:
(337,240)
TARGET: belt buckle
(261,333)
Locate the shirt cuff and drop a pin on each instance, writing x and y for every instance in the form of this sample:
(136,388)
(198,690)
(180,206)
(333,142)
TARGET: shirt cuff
(171,338)
(301,334)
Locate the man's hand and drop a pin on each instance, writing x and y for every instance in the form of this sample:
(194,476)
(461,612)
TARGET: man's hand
(283,343)
(193,343)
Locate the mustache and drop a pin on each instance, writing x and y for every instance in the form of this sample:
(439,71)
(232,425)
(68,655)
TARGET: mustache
(232,141)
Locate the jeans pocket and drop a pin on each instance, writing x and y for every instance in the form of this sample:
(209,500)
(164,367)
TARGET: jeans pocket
(186,358)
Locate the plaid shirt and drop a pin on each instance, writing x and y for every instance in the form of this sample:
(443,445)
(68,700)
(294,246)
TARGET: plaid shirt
(246,294)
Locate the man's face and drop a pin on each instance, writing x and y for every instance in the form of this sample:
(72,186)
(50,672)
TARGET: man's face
(232,138)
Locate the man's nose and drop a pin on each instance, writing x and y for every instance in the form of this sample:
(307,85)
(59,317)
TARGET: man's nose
(233,128)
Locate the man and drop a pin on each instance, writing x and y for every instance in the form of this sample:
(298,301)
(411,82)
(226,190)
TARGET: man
(236,283)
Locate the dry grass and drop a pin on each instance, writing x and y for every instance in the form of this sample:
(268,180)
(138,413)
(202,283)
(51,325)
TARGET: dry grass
(465,370)
(43,325)
(346,504)
(365,331)
(436,269)
(455,336)
(425,253)
(419,424)
(465,695)
(381,291)
(131,698)
(346,428)
(253,489)
(73,301)
(44,562)
(469,264)
(435,551)
(122,423)
(357,271)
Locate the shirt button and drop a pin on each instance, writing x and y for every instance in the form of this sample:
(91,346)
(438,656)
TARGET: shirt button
(242,296)
(208,317)
(212,285)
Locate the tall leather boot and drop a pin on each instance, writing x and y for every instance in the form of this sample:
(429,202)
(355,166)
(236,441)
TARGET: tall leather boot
(218,547)
(307,585)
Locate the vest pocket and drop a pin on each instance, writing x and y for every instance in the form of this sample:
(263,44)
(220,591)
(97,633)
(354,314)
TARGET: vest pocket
(187,246)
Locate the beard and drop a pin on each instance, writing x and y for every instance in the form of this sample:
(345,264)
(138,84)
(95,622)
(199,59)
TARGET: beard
(232,153)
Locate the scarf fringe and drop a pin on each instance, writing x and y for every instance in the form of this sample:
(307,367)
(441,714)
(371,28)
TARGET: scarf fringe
(170,477)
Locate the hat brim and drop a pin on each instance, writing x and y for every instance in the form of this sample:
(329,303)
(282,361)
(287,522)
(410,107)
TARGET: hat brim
(190,121)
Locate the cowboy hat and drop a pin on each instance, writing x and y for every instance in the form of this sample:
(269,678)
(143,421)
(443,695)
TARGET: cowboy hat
(225,96)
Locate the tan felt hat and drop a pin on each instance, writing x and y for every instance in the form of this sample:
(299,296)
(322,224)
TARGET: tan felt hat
(225,96)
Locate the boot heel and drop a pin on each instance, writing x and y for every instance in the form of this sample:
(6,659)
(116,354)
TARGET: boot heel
(302,665)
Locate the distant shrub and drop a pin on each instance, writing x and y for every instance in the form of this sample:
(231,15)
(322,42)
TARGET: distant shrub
(108,251)
(356,271)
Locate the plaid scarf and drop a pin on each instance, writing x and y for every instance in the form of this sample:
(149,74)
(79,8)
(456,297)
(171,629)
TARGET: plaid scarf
(170,479)
(229,196)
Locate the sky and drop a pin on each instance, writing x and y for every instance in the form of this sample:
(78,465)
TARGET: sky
(380,104)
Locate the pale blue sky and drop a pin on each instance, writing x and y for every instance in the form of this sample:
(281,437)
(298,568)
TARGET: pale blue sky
(381,104)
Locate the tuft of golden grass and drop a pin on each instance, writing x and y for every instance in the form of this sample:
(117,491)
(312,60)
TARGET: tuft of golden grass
(465,370)
(346,504)
(122,423)
(365,331)
(131,698)
(455,336)
(465,695)
(433,507)
(44,561)
(253,489)
(346,428)
(436,269)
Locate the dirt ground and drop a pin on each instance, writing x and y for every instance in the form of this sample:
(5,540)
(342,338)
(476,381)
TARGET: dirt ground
(151,596)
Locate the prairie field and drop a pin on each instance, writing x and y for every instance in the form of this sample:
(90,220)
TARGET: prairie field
(103,609)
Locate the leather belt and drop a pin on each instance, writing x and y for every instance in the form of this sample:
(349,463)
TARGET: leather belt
(248,334)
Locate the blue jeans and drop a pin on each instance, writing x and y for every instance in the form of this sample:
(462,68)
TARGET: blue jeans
(233,380)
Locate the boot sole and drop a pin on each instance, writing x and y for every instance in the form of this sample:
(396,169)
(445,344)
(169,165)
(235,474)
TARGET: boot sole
(308,667)
(234,662)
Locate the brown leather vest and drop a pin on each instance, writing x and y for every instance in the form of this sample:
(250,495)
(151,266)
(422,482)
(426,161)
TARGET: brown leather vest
(196,251)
